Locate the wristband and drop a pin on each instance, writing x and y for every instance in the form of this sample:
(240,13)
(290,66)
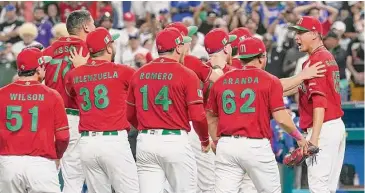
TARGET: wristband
(296,135)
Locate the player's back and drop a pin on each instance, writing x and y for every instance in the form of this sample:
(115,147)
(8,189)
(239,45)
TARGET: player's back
(244,105)
(27,112)
(60,65)
(160,90)
(101,89)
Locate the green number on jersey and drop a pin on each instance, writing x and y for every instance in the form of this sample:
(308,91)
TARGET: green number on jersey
(101,98)
(336,80)
(59,62)
(162,98)
(228,99)
(13,112)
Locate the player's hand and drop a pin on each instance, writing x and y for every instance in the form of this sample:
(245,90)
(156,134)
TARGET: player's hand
(77,59)
(304,145)
(314,141)
(205,149)
(213,145)
(218,61)
(315,71)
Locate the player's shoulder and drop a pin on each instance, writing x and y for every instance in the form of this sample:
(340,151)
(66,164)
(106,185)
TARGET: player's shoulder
(320,55)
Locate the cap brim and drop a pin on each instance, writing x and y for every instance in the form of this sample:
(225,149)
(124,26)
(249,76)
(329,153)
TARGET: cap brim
(115,36)
(247,56)
(186,39)
(192,30)
(298,28)
(232,38)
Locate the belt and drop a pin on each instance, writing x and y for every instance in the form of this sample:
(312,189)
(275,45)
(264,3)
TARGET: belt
(164,131)
(72,112)
(240,136)
(95,133)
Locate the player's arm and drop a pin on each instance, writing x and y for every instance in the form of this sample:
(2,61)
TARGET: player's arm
(131,106)
(194,101)
(310,71)
(212,115)
(281,116)
(61,129)
(291,91)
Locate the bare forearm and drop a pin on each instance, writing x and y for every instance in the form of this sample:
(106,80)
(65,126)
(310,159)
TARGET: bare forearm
(318,117)
(291,82)
(299,10)
(212,126)
(291,91)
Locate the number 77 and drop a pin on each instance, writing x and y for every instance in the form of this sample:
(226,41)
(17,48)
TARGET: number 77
(58,62)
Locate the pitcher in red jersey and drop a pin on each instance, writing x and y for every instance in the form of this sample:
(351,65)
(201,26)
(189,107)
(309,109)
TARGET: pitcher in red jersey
(320,109)
(33,129)
(240,104)
(79,23)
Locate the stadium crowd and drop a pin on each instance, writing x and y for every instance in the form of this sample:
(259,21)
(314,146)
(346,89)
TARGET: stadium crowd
(26,23)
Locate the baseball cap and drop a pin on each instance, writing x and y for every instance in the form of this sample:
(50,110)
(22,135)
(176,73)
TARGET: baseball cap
(186,31)
(10,7)
(331,34)
(169,38)
(216,39)
(97,40)
(306,24)
(250,47)
(241,34)
(30,59)
(339,25)
(128,16)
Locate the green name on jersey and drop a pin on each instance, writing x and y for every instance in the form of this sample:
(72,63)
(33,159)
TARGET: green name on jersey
(95,77)
(246,80)
(26,97)
(156,76)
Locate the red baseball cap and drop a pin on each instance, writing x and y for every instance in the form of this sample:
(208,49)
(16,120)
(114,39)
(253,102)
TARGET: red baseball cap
(306,24)
(169,38)
(186,31)
(241,34)
(250,47)
(128,16)
(98,40)
(216,39)
(31,59)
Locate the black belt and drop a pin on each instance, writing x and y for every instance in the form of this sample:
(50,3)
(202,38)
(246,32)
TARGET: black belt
(240,136)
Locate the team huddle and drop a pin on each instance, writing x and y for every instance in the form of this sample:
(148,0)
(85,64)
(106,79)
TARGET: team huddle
(203,127)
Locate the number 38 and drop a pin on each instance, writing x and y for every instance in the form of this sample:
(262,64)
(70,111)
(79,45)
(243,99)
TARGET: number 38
(229,104)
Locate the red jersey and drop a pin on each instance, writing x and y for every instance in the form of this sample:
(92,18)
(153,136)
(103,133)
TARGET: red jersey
(236,62)
(201,70)
(244,100)
(100,88)
(327,86)
(30,115)
(66,9)
(161,92)
(60,65)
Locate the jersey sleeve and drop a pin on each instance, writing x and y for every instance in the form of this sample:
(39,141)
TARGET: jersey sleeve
(131,100)
(60,117)
(276,95)
(68,85)
(202,70)
(212,104)
(127,73)
(193,92)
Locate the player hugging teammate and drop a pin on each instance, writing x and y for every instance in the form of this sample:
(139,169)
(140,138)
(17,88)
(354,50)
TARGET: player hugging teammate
(165,102)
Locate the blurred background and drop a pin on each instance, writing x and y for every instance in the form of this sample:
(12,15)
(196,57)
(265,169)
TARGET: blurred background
(25,23)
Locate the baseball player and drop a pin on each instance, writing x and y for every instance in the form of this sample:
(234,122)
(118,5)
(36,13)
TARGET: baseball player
(164,95)
(79,24)
(100,88)
(251,95)
(33,129)
(320,109)
(289,84)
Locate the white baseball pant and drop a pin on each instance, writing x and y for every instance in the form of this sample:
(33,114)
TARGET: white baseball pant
(108,162)
(161,157)
(28,174)
(237,156)
(324,171)
(70,163)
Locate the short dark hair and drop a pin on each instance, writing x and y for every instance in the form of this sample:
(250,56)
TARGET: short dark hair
(97,54)
(38,8)
(234,51)
(248,60)
(76,20)
(27,73)
(166,51)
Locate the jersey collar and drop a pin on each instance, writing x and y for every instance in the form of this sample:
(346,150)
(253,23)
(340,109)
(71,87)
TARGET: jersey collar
(27,83)
(92,62)
(70,39)
(249,67)
(320,48)
(164,60)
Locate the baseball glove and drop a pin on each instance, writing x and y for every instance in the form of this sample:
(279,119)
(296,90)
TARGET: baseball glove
(296,157)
